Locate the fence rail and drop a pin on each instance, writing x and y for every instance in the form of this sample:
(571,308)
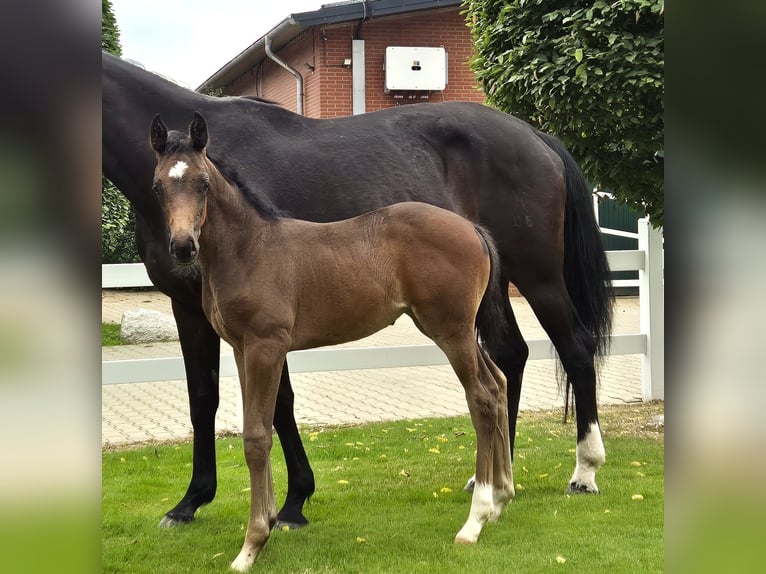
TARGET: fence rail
(649,343)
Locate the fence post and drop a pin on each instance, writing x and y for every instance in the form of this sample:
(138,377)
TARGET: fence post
(652,311)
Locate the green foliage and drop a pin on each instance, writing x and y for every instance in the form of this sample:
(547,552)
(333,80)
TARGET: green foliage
(389,499)
(590,72)
(118,225)
(110,33)
(117,219)
(213,91)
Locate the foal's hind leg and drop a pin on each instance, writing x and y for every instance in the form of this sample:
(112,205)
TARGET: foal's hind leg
(481,396)
(502,471)
(576,349)
(511,358)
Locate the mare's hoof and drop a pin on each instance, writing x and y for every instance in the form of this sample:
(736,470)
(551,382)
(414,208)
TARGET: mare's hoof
(582,488)
(287,525)
(169,522)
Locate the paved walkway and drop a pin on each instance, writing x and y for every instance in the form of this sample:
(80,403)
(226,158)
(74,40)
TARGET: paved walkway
(140,412)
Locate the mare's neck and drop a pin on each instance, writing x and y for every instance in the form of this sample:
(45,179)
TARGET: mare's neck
(130,98)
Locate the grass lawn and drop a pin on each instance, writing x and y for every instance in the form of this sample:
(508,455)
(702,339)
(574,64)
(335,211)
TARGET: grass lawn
(110,334)
(389,499)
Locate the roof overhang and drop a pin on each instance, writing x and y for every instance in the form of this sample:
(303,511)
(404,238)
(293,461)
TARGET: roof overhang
(292,26)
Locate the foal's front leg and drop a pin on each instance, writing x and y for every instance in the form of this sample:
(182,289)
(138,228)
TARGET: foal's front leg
(260,367)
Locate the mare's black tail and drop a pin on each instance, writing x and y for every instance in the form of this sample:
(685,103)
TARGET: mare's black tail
(491,320)
(586,271)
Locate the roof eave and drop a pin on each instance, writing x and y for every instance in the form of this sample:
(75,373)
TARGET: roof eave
(280,35)
(292,26)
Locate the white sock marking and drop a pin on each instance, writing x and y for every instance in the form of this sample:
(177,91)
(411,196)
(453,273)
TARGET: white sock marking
(178,170)
(590,456)
(482,508)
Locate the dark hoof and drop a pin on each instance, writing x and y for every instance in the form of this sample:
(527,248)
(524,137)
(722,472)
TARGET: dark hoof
(581,488)
(169,521)
(286,525)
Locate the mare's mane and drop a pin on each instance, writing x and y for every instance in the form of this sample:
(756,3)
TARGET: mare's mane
(260,100)
(179,142)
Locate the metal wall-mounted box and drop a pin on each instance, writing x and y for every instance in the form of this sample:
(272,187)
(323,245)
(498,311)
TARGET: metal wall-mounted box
(415,68)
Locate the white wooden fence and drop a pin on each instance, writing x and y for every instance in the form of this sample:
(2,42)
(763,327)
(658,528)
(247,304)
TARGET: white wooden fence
(649,343)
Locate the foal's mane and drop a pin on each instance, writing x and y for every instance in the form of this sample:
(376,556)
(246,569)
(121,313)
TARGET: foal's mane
(179,142)
(262,204)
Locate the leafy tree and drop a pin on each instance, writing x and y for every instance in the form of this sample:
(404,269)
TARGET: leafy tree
(118,224)
(110,33)
(590,72)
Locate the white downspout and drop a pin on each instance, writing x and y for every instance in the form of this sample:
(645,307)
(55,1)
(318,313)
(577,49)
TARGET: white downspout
(358,76)
(298,78)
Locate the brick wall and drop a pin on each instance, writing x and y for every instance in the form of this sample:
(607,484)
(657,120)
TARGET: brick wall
(426,29)
(328,86)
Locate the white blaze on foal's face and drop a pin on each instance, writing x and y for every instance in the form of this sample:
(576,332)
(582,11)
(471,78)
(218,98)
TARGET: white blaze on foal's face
(178,170)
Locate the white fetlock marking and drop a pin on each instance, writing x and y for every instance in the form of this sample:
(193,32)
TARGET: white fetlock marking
(244,561)
(590,457)
(501,497)
(470,484)
(482,508)
(241,564)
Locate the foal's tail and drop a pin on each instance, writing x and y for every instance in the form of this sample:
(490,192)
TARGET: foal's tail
(491,320)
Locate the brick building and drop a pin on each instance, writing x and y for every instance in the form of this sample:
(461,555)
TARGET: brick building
(334,61)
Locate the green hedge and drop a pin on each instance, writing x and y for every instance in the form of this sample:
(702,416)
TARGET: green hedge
(118,225)
(589,72)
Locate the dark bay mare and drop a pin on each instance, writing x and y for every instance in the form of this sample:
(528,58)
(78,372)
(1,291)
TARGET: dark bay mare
(272,284)
(488,166)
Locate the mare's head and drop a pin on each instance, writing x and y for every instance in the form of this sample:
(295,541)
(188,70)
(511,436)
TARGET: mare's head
(181,182)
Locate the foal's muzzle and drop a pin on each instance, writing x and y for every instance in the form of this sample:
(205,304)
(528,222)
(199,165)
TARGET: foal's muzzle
(184,249)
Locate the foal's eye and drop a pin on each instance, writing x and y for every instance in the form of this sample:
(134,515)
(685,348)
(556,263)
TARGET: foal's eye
(156,189)
(205,186)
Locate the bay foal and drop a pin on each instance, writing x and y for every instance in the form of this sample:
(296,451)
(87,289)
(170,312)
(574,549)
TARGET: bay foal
(271,284)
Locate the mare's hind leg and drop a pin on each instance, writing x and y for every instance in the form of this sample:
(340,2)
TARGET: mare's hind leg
(576,349)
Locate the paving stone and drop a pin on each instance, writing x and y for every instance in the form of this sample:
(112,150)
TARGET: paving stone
(158,411)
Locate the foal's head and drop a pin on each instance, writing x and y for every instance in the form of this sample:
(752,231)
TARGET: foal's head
(181,182)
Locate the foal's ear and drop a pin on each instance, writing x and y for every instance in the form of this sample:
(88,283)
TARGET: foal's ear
(159,134)
(198,132)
